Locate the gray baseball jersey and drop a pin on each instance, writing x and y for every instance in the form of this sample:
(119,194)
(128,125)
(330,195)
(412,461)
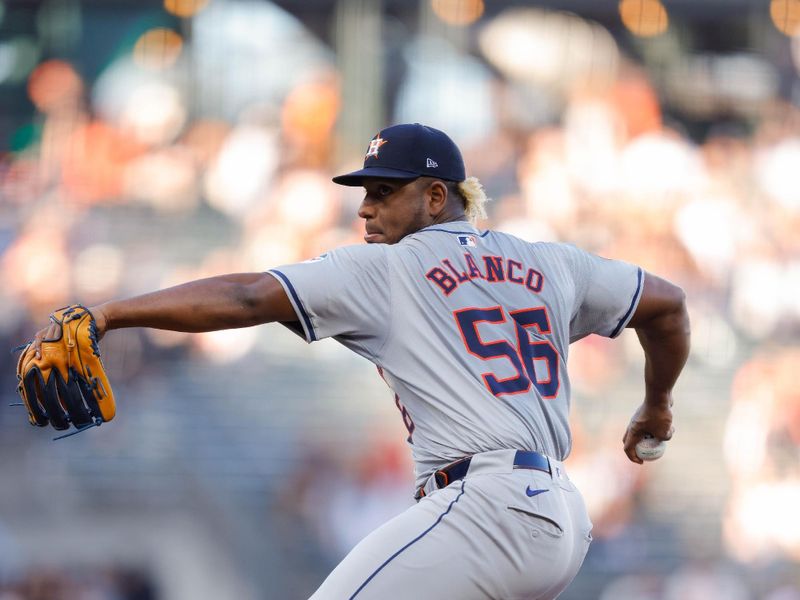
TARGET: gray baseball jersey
(471,330)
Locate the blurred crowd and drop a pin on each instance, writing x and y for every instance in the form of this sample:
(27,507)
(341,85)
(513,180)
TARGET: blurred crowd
(100,583)
(208,148)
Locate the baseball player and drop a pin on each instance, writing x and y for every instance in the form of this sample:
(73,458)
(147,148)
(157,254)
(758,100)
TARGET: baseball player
(471,331)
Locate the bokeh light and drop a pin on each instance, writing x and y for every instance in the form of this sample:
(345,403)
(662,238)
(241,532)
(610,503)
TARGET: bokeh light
(166,180)
(593,130)
(18,56)
(157,49)
(225,346)
(713,248)
(242,170)
(655,165)
(205,138)
(757,298)
(93,169)
(776,169)
(786,16)
(557,50)
(98,270)
(310,109)
(458,12)
(54,84)
(36,266)
(257,51)
(305,201)
(154,112)
(184,8)
(271,245)
(645,18)
(308,117)
(762,520)
(742,82)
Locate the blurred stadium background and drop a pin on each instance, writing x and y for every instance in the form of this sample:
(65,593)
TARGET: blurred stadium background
(145,143)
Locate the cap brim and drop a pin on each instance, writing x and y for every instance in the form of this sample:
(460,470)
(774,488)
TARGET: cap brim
(357,177)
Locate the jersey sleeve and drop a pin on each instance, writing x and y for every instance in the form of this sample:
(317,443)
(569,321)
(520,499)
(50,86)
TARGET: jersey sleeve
(343,294)
(607,293)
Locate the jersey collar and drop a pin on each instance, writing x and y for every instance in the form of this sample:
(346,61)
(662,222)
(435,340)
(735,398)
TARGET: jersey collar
(454,227)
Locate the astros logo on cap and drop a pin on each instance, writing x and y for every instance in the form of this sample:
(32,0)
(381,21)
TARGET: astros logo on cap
(374,145)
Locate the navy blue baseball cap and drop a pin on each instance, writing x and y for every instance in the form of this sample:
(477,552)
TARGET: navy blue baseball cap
(409,151)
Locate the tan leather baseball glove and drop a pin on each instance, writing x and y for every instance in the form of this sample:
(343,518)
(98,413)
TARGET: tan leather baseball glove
(67,384)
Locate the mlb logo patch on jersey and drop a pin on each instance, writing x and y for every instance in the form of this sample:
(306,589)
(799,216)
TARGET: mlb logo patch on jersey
(468,240)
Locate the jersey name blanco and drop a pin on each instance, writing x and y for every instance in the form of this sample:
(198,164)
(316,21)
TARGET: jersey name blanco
(471,330)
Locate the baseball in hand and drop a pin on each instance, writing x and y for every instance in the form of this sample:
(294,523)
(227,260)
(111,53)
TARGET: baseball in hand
(650,448)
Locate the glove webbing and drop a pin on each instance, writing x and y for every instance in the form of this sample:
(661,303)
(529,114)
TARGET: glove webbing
(97,420)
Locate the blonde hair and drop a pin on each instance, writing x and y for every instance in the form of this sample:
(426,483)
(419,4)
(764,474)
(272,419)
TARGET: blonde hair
(474,198)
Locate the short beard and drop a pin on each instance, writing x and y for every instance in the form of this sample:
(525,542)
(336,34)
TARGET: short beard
(418,222)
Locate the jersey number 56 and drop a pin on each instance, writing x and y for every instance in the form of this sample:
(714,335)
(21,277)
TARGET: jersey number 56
(522,357)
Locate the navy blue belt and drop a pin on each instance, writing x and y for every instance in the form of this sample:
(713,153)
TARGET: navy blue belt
(523,459)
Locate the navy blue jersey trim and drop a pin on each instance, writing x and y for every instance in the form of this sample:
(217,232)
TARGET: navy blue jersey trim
(416,539)
(298,303)
(624,319)
(459,232)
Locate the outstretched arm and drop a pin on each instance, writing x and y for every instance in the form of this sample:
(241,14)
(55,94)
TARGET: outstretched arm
(223,302)
(662,324)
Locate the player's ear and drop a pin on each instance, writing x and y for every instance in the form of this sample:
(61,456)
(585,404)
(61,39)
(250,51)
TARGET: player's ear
(437,197)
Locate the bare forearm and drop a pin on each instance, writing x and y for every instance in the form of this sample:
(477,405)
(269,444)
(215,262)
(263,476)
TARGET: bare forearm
(666,348)
(223,302)
(662,324)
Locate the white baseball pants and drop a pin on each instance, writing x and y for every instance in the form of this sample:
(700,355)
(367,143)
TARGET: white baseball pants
(498,534)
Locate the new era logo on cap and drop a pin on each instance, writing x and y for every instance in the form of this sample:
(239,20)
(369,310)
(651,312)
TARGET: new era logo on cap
(431,164)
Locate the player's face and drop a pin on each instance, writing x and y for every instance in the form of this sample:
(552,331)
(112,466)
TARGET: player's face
(392,209)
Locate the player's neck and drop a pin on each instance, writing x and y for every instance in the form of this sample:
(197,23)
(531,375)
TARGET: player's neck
(449,217)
